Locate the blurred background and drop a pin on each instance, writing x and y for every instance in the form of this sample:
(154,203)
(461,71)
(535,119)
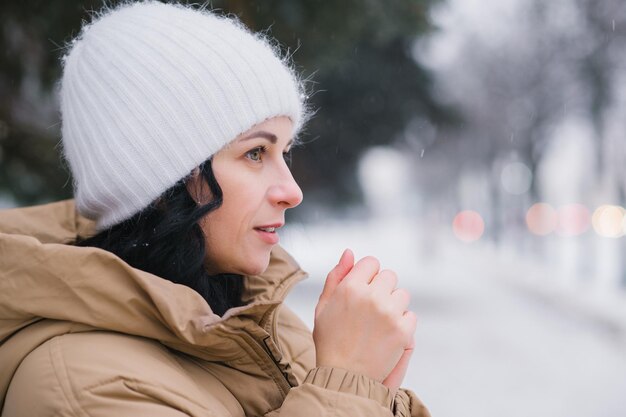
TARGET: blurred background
(477,147)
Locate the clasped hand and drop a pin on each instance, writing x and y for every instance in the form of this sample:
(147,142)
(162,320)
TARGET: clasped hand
(362,321)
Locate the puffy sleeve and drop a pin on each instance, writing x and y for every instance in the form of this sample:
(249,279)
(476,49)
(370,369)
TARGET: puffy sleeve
(326,391)
(341,393)
(407,404)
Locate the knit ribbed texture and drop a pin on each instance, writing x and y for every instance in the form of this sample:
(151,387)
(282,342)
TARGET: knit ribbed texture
(151,90)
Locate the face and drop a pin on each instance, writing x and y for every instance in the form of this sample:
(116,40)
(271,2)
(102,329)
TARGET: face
(257,188)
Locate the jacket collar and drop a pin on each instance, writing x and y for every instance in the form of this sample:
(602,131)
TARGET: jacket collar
(43,277)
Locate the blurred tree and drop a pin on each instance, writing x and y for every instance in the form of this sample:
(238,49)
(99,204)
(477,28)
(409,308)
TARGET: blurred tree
(31,33)
(551,62)
(365,84)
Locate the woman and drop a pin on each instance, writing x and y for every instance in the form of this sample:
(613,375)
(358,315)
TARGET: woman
(159,290)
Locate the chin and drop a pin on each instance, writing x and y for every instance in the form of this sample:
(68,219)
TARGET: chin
(256,265)
(253,269)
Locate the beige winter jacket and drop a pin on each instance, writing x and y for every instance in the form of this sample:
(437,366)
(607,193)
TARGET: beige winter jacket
(84,334)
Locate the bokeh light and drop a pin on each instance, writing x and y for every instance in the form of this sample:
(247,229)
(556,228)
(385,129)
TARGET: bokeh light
(516,178)
(608,221)
(468,226)
(541,219)
(574,220)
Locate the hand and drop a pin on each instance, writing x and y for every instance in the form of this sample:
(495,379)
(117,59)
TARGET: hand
(361,320)
(395,378)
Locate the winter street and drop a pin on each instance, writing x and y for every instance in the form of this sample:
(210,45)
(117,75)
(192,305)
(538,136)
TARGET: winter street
(486,345)
(157,156)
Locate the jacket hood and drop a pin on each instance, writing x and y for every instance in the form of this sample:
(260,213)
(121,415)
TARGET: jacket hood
(69,288)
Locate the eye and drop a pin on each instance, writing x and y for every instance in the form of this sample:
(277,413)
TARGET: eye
(287,156)
(256,154)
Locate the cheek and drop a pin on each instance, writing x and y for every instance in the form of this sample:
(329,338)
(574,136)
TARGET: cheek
(214,235)
(232,251)
(241,201)
(223,229)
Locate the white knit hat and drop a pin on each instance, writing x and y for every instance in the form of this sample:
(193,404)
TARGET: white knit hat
(151,90)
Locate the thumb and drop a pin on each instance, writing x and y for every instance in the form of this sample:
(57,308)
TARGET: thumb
(346,262)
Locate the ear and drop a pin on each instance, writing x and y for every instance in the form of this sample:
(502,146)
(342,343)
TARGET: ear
(194,185)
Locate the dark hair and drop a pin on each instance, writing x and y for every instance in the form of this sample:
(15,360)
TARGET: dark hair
(165,239)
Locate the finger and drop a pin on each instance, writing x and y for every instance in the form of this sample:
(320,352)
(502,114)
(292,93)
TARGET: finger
(346,261)
(338,273)
(411,344)
(393,381)
(385,281)
(401,299)
(364,270)
(408,324)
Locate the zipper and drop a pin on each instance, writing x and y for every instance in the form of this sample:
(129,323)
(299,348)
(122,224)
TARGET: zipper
(278,376)
(272,349)
(269,346)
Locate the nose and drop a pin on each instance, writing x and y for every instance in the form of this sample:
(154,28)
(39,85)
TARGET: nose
(285,192)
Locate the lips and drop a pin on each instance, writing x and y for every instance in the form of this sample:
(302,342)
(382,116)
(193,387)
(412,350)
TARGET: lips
(267,233)
(269,228)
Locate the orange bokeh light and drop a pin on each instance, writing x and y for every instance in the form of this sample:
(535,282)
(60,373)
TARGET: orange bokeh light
(468,226)
(541,219)
(574,220)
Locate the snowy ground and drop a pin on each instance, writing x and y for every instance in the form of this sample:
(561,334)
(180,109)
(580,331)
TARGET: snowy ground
(491,342)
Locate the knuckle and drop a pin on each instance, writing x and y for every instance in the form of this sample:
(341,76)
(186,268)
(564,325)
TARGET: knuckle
(388,313)
(352,291)
(406,338)
(388,275)
(411,317)
(372,261)
(402,294)
(350,286)
(392,315)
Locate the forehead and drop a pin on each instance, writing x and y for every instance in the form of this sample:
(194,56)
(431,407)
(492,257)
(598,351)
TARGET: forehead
(264,135)
(280,127)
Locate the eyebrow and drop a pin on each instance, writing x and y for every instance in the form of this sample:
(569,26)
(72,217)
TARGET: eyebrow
(261,134)
(265,135)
